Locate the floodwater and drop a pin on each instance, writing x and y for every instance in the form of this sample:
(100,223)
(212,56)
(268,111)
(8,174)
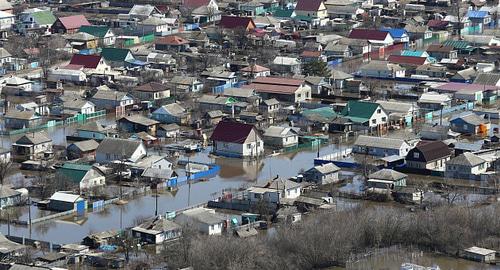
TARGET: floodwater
(234,174)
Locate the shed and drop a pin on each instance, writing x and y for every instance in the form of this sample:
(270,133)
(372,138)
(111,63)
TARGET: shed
(479,254)
(62,201)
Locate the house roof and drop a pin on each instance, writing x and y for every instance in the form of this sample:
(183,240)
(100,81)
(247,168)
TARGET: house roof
(407,60)
(24,115)
(439,48)
(395,32)
(174,109)
(171,40)
(87,61)
(65,197)
(381,65)
(34,138)
(308,5)
(6,192)
(254,68)
(379,142)
(109,95)
(466,159)
(387,174)
(231,132)
(74,172)
(232,22)
(326,168)
(203,215)
(275,85)
(288,61)
(158,173)
(7,246)
(477,14)
(480,251)
(431,150)
(157,225)
(80,36)
(281,132)
(142,10)
(5,5)
(314,54)
(118,146)
(192,4)
(73,22)
(360,109)
(323,115)
(470,118)
(95,30)
(115,54)
(368,34)
(487,79)
(85,146)
(139,120)
(437,23)
(151,87)
(44,17)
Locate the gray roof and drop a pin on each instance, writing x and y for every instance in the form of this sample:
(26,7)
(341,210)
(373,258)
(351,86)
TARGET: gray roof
(169,127)
(396,106)
(174,109)
(139,119)
(203,215)
(487,79)
(34,138)
(239,92)
(471,118)
(7,246)
(340,75)
(157,225)
(279,132)
(183,80)
(143,10)
(24,115)
(84,146)
(215,114)
(109,95)
(370,141)
(4,53)
(387,174)
(118,146)
(94,126)
(7,192)
(326,168)
(157,173)
(466,74)
(466,159)
(381,65)
(271,101)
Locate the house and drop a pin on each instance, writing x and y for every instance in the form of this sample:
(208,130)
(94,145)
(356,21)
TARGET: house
(32,146)
(138,123)
(172,113)
(71,74)
(5,155)
(432,70)
(203,219)
(99,239)
(234,22)
(466,166)
(6,6)
(82,149)
(157,231)
(311,10)
(5,57)
(281,137)
(76,106)
(158,26)
(252,8)
(340,79)
(117,57)
(323,174)
(344,12)
(10,248)
(69,24)
(479,254)
(479,17)
(212,118)
(432,101)
(82,41)
(15,119)
(283,89)
(225,104)
(381,69)
(440,52)
(287,65)
(206,13)
(9,197)
(174,43)
(386,179)
(161,163)
(409,62)
(168,130)
(235,139)
(399,35)
(382,147)
(334,51)
(375,38)
(243,94)
(434,133)
(163,61)
(105,34)
(470,123)
(488,78)
(62,201)
(186,84)
(274,191)
(94,130)
(114,149)
(18,83)
(6,21)
(269,106)
(86,177)
(35,19)
(153,92)
(401,113)
(312,56)
(90,63)
(428,155)
(110,100)
(367,114)
(254,71)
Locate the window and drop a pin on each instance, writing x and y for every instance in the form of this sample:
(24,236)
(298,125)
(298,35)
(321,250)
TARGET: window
(249,146)
(108,156)
(374,121)
(416,155)
(379,111)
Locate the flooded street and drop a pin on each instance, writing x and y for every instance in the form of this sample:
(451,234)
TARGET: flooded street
(234,174)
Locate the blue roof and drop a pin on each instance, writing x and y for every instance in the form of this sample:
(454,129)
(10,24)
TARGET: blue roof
(477,14)
(395,32)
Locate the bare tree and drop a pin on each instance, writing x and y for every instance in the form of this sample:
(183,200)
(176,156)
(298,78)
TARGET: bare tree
(5,167)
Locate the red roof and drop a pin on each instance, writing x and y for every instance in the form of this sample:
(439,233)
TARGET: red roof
(407,60)
(231,22)
(311,54)
(437,23)
(308,5)
(74,22)
(192,4)
(231,132)
(171,40)
(255,68)
(87,61)
(368,34)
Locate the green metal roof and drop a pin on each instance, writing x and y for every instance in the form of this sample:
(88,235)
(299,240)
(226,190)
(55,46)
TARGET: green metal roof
(114,54)
(73,172)
(44,17)
(283,13)
(459,44)
(325,114)
(359,109)
(95,30)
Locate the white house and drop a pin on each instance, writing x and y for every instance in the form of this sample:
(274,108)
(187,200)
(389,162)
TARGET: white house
(157,230)
(466,166)
(381,69)
(6,22)
(378,146)
(204,219)
(274,191)
(323,174)
(234,139)
(281,136)
(114,149)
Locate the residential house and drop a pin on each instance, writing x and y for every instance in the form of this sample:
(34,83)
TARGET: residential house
(235,139)
(470,123)
(114,149)
(281,137)
(234,22)
(168,130)
(254,71)
(428,155)
(219,79)
(86,177)
(206,220)
(225,104)
(153,92)
(174,43)
(110,100)
(252,8)
(9,197)
(202,11)
(15,119)
(488,78)
(386,179)
(287,65)
(158,26)
(5,155)
(62,201)
(432,101)
(408,62)
(157,231)
(323,174)
(90,63)
(172,113)
(367,114)
(186,84)
(466,166)
(32,146)
(18,83)
(94,130)
(269,106)
(76,106)
(5,57)
(283,89)
(142,12)
(381,69)
(440,52)
(82,41)
(418,32)
(69,24)
(311,10)
(117,57)
(399,35)
(100,239)
(6,21)
(71,74)
(335,51)
(312,56)
(138,123)
(376,38)
(479,17)
(432,70)
(274,191)
(161,163)
(344,12)
(105,34)
(163,61)
(82,149)
(401,113)
(379,146)
(35,19)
